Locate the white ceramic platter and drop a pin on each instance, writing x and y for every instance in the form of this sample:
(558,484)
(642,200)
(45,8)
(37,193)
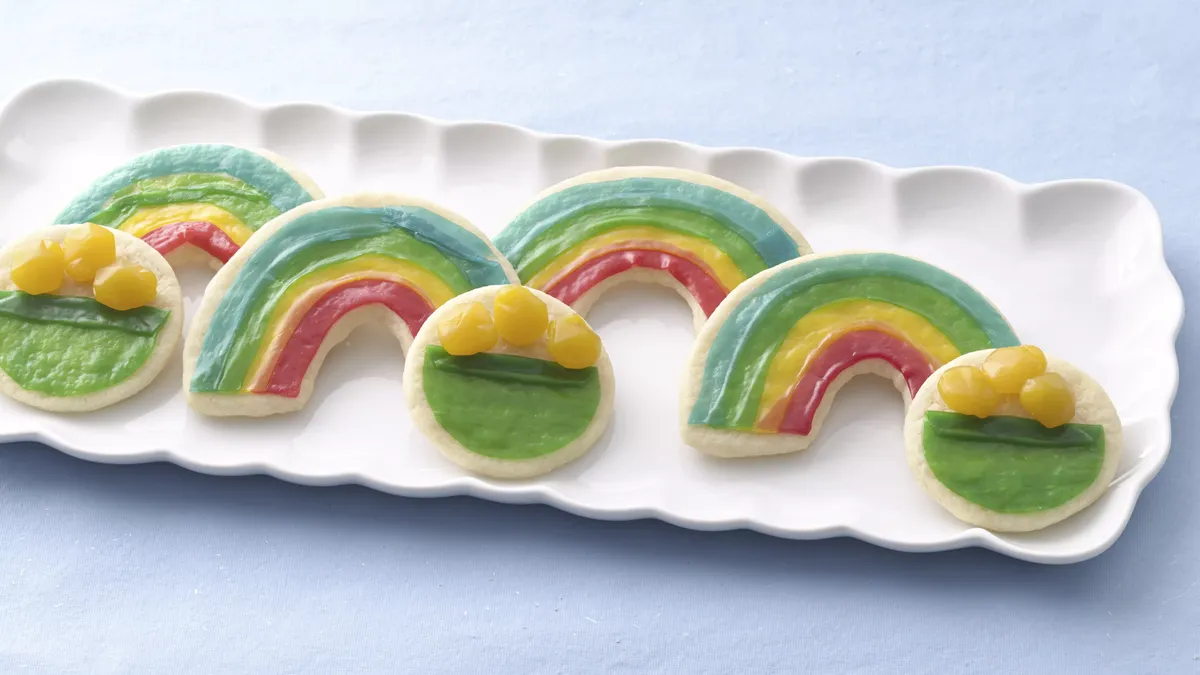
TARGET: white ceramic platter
(1077,266)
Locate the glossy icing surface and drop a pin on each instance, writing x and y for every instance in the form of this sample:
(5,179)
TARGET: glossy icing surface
(248,167)
(716,262)
(249,205)
(321,250)
(809,336)
(752,223)
(532,407)
(81,312)
(747,365)
(294,357)
(146,221)
(199,233)
(212,197)
(795,414)
(557,243)
(1012,464)
(61,359)
(707,291)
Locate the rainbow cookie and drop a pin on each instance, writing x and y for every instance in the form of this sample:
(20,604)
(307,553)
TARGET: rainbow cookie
(312,275)
(509,382)
(1012,441)
(767,365)
(693,232)
(193,202)
(88,317)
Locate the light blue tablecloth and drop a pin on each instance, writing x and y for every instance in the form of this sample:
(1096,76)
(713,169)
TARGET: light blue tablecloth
(152,569)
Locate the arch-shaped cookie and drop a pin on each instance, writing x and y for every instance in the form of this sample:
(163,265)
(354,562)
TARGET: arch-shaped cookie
(693,232)
(197,202)
(304,281)
(769,362)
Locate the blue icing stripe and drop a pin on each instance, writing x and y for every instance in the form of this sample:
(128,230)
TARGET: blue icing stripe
(250,167)
(750,222)
(744,321)
(469,254)
(473,257)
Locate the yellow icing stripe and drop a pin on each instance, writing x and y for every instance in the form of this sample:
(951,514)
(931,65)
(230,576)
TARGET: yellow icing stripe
(149,218)
(307,290)
(832,320)
(727,273)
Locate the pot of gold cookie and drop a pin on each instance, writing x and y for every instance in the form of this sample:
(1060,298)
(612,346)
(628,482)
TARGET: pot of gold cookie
(509,382)
(1012,440)
(88,317)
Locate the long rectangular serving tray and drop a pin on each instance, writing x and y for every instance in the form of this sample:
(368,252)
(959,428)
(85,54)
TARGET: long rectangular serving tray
(1077,266)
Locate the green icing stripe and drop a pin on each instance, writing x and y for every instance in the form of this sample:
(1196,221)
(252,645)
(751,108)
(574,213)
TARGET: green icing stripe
(1012,464)
(739,358)
(81,312)
(1015,430)
(511,368)
(249,167)
(314,241)
(559,210)
(207,181)
(589,224)
(531,407)
(59,359)
(249,205)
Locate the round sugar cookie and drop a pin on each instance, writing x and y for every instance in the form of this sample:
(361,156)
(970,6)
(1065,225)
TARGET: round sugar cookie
(510,411)
(197,204)
(1006,471)
(686,230)
(62,350)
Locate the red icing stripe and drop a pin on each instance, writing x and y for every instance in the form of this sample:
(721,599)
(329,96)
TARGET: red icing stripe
(707,290)
(632,245)
(201,234)
(297,354)
(848,350)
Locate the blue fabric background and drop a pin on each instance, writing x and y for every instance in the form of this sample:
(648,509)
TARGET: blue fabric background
(152,569)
